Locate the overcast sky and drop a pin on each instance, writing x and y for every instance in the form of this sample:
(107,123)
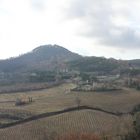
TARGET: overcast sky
(109,28)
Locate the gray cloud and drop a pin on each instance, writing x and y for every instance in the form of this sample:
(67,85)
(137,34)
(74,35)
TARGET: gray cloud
(126,38)
(111,24)
(38,4)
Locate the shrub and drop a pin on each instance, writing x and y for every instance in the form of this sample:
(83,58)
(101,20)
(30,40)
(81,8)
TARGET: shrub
(19,102)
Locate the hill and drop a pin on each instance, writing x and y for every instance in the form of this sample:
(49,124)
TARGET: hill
(99,65)
(45,62)
(53,57)
(46,57)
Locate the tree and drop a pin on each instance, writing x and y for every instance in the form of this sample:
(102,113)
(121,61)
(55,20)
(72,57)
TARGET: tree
(78,101)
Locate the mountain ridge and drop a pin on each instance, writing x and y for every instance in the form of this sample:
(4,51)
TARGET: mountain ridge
(52,57)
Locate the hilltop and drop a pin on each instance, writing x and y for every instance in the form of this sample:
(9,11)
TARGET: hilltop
(45,57)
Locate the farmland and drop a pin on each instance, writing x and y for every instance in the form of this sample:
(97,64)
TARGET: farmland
(78,121)
(61,97)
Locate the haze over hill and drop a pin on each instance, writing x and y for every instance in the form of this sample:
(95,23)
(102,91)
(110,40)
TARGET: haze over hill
(91,27)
